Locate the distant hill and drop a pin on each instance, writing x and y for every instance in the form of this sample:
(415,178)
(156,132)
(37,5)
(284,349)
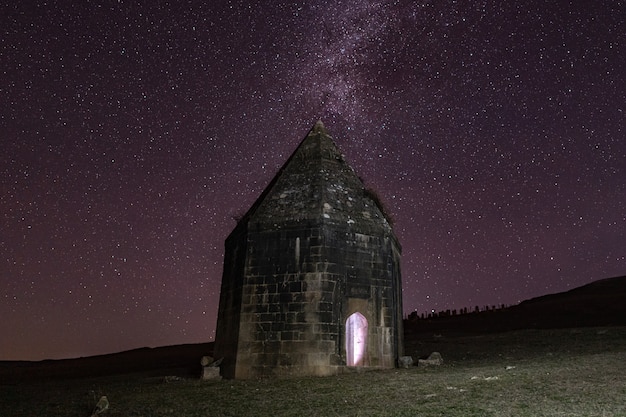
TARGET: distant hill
(600,303)
(181,360)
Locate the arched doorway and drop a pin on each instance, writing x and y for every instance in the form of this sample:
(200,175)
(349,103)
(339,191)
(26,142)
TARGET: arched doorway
(356,339)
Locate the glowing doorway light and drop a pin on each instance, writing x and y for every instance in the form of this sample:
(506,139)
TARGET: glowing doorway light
(356,339)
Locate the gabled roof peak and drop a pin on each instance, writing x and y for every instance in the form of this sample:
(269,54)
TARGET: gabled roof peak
(319,128)
(316,185)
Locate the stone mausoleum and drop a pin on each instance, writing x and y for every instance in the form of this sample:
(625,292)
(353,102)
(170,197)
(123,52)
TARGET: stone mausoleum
(311,282)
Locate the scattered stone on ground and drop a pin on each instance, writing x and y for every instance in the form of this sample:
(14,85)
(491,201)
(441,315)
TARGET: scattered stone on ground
(486,378)
(434,359)
(405,362)
(211,373)
(210,368)
(172,378)
(101,406)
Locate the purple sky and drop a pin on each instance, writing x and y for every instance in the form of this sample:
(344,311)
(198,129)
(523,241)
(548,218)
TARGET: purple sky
(132,135)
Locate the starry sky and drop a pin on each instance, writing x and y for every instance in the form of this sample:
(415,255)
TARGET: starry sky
(133,133)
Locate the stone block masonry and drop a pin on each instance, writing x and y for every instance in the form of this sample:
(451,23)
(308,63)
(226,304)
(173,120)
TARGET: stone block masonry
(311,280)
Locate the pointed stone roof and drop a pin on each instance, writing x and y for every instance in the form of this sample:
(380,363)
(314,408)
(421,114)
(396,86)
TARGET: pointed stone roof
(316,184)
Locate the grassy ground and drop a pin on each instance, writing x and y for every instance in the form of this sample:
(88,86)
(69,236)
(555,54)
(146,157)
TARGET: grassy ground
(579,372)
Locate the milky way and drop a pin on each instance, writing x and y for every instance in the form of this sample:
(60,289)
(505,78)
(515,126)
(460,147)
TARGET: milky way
(134,134)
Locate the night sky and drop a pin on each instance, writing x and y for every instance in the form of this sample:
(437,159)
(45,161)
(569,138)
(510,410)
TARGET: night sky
(132,135)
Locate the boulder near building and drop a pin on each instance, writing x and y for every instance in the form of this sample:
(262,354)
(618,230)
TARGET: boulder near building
(311,282)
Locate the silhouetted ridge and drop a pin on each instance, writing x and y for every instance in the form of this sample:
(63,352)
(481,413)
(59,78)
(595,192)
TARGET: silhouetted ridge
(599,303)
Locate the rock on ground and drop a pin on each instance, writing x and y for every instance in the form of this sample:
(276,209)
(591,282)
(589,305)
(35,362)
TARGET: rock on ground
(434,359)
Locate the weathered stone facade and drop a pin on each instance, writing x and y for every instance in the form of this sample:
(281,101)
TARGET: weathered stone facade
(311,280)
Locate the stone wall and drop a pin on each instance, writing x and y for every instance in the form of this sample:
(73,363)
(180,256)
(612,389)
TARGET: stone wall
(229,313)
(299,286)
